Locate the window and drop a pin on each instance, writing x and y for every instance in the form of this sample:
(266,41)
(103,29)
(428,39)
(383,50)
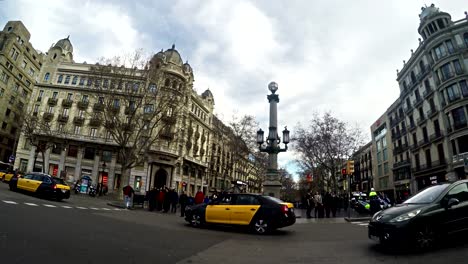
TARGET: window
(60,127)
(54,95)
(9,66)
(97,83)
(4,125)
(459,117)
(450,48)
(152,88)
(65,112)
(247,200)
(13,130)
(440,51)
(31,71)
(50,110)
(70,96)
(106,83)
(459,192)
(82,81)
(8,111)
(89,153)
(136,86)
(446,71)
(379,171)
(16,87)
(385,166)
(56,149)
(452,92)
(4,77)
(428,157)
(385,154)
(36,109)
(464,88)
(75,80)
(20,76)
(72,150)
(39,97)
(106,156)
(169,111)
(2,91)
(89,82)
(60,78)
(77,130)
(116,103)
(81,113)
(24,64)
(46,77)
(28,83)
(25,93)
(84,99)
(148,109)
(93,132)
(458,68)
(101,100)
(67,79)
(12,100)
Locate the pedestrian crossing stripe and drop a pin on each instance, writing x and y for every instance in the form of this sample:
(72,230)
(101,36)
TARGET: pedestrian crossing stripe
(49,205)
(10,202)
(62,206)
(66,207)
(79,207)
(31,204)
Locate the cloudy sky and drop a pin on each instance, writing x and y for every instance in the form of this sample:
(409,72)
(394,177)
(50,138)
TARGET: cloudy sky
(338,56)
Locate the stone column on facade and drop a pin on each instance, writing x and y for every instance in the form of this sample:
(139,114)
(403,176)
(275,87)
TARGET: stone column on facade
(96,166)
(46,161)
(61,165)
(32,153)
(111,174)
(79,158)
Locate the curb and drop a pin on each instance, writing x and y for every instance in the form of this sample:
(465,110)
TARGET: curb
(357,219)
(117,205)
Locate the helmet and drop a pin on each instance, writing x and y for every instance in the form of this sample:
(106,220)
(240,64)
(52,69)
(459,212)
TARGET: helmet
(372,189)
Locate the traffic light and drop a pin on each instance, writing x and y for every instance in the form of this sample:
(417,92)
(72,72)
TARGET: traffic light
(343,172)
(350,167)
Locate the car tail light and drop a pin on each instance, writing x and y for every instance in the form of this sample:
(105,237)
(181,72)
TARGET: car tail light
(285,209)
(55,186)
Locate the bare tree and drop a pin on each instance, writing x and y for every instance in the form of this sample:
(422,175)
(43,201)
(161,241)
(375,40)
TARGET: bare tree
(289,190)
(149,112)
(324,145)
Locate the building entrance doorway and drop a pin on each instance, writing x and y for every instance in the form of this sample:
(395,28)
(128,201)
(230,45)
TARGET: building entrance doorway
(160,178)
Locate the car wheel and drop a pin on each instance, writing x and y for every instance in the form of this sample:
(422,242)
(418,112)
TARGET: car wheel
(260,226)
(196,220)
(425,237)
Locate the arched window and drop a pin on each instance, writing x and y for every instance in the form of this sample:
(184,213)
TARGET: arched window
(174,85)
(75,79)
(167,83)
(152,88)
(46,77)
(465,36)
(60,79)
(55,56)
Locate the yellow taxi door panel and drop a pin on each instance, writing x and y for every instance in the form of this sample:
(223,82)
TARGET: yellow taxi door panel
(243,214)
(244,209)
(36,181)
(220,214)
(22,183)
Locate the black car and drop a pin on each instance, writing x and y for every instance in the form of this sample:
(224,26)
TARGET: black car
(435,212)
(261,213)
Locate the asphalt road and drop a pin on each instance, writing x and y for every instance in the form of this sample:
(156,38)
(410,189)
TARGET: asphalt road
(41,231)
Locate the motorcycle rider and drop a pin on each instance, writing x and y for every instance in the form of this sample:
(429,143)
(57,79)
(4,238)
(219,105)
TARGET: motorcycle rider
(374,202)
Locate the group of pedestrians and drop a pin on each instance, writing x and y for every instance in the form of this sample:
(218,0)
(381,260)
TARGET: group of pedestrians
(324,205)
(162,200)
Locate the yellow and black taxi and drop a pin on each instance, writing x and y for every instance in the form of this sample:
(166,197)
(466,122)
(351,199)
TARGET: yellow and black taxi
(6,176)
(261,213)
(41,184)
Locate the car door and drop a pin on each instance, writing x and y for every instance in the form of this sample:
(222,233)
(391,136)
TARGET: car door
(219,212)
(23,183)
(36,181)
(456,217)
(244,209)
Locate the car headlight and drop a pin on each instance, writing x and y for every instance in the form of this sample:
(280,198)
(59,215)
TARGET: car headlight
(405,217)
(375,215)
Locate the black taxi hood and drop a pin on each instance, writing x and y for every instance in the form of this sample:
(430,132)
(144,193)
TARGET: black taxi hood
(402,209)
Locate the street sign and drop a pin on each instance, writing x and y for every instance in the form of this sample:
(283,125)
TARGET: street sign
(11,158)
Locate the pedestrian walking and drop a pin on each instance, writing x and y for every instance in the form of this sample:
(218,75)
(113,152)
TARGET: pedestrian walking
(334,204)
(151,197)
(183,199)
(128,193)
(167,200)
(309,203)
(318,205)
(174,201)
(199,197)
(160,200)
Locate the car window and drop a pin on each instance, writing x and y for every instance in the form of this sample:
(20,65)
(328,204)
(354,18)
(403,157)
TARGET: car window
(28,176)
(459,192)
(59,181)
(247,200)
(226,200)
(46,180)
(428,195)
(38,177)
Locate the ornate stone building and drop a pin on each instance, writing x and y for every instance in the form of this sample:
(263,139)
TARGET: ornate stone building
(19,70)
(186,157)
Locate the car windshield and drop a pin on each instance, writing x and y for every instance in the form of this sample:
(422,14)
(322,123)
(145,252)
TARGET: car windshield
(428,195)
(273,199)
(59,181)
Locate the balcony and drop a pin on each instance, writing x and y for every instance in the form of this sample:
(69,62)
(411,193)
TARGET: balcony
(408,109)
(424,142)
(98,107)
(67,103)
(424,71)
(460,157)
(411,126)
(454,99)
(433,165)
(457,127)
(428,92)
(432,112)
(48,116)
(52,101)
(166,135)
(401,164)
(436,136)
(414,146)
(78,120)
(62,118)
(421,120)
(95,122)
(417,102)
(83,105)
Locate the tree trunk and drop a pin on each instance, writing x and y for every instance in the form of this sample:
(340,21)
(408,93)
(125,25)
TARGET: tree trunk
(44,170)
(124,181)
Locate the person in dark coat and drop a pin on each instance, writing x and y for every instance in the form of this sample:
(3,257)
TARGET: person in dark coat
(334,204)
(309,204)
(151,197)
(167,200)
(161,196)
(174,201)
(183,199)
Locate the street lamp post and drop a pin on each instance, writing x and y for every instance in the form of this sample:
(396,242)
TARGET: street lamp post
(271,184)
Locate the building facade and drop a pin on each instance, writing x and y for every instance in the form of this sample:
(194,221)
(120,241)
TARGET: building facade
(428,122)
(184,157)
(19,69)
(362,180)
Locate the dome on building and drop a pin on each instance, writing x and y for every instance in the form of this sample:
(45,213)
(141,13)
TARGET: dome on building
(428,11)
(187,67)
(65,44)
(172,55)
(207,94)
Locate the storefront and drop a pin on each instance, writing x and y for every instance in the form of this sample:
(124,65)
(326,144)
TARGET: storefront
(402,191)
(425,181)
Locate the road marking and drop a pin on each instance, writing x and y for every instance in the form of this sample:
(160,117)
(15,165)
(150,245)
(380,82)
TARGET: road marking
(66,206)
(94,208)
(106,209)
(31,204)
(49,205)
(364,224)
(10,202)
(79,207)
(116,209)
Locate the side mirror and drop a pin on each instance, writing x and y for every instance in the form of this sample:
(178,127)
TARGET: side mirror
(452,202)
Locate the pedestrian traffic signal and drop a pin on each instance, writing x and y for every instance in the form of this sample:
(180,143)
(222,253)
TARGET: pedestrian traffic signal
(343,172)
(350,167)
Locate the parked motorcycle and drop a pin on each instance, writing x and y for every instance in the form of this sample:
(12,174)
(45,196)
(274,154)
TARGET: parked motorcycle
(77,188)
(92,191)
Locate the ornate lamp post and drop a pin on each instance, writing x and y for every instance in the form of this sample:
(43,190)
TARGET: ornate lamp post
(271,184)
